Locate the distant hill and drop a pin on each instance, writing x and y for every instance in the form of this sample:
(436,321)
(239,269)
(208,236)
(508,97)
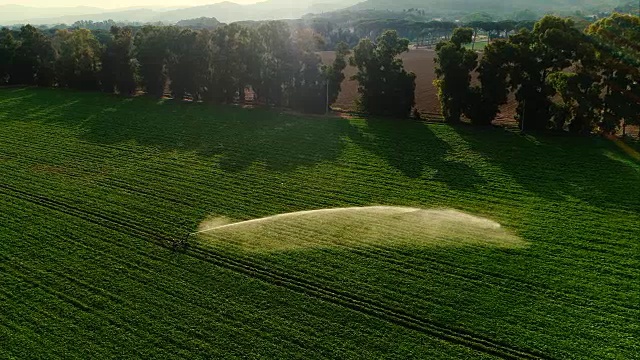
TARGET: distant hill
(495,7)
(10,13)
(200,23)
(132,15)
(266,10)
(225,11)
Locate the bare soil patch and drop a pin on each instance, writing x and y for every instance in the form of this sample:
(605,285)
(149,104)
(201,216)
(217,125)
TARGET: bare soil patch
(421,63)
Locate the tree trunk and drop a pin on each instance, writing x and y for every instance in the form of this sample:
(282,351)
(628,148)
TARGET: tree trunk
(473,43)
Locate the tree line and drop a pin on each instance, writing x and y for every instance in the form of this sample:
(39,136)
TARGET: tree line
(562,78)
(422,32)
(282,67)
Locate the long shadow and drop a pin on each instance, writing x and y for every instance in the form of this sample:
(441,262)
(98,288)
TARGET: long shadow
(561,167)
(413,148)
(240,137)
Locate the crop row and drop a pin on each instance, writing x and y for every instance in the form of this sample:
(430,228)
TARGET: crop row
(165,174)
(445,297)
(551,294)
(160,308)
(298,284)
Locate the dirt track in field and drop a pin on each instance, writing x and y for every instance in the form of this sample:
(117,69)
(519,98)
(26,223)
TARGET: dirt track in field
(421,63)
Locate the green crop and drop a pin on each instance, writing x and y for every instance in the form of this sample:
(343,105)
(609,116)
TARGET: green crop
(98,193)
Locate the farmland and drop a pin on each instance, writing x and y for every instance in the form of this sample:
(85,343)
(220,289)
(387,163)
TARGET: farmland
(420,62)
(95,189)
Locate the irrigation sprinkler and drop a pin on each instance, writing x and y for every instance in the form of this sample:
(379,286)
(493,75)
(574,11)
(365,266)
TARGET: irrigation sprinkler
(183,243)
(180,243)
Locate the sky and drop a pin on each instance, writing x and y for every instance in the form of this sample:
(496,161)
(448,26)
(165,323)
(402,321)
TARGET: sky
(113,4)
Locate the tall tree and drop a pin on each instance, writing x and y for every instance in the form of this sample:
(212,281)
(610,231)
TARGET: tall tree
(203,52)
(277,62)
(251,54)
(8,47)
(335,72)
(152,53)
(579,88)
(454,64)
(580,103)
(236,62)
(308,90)
(34,58)
(484,101)
(206,48)
(552,46)
(118,63)
(501,29)
(385,87)
(616,40)
(478,25)
(181,62)
(78,63)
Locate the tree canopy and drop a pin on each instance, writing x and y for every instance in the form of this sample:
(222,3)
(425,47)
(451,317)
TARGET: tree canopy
(385,87)
(454,64)
(562,78)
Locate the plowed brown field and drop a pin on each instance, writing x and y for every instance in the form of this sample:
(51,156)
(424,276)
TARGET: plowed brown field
(421,63)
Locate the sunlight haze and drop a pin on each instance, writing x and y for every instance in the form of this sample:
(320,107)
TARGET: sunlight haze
(113,4)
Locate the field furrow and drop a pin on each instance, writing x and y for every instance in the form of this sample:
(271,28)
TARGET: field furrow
(521,246)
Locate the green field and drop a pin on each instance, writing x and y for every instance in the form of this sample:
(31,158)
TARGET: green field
(479,45)
(514,246)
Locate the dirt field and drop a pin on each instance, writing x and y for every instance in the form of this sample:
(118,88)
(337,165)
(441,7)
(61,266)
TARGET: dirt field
(419,62)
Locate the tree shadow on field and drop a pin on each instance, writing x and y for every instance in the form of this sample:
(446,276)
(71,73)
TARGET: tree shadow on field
(556,166)
(238,136)
(412,148)
(29,104)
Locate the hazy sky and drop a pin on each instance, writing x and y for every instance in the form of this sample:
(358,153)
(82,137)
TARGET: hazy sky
(118,3)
